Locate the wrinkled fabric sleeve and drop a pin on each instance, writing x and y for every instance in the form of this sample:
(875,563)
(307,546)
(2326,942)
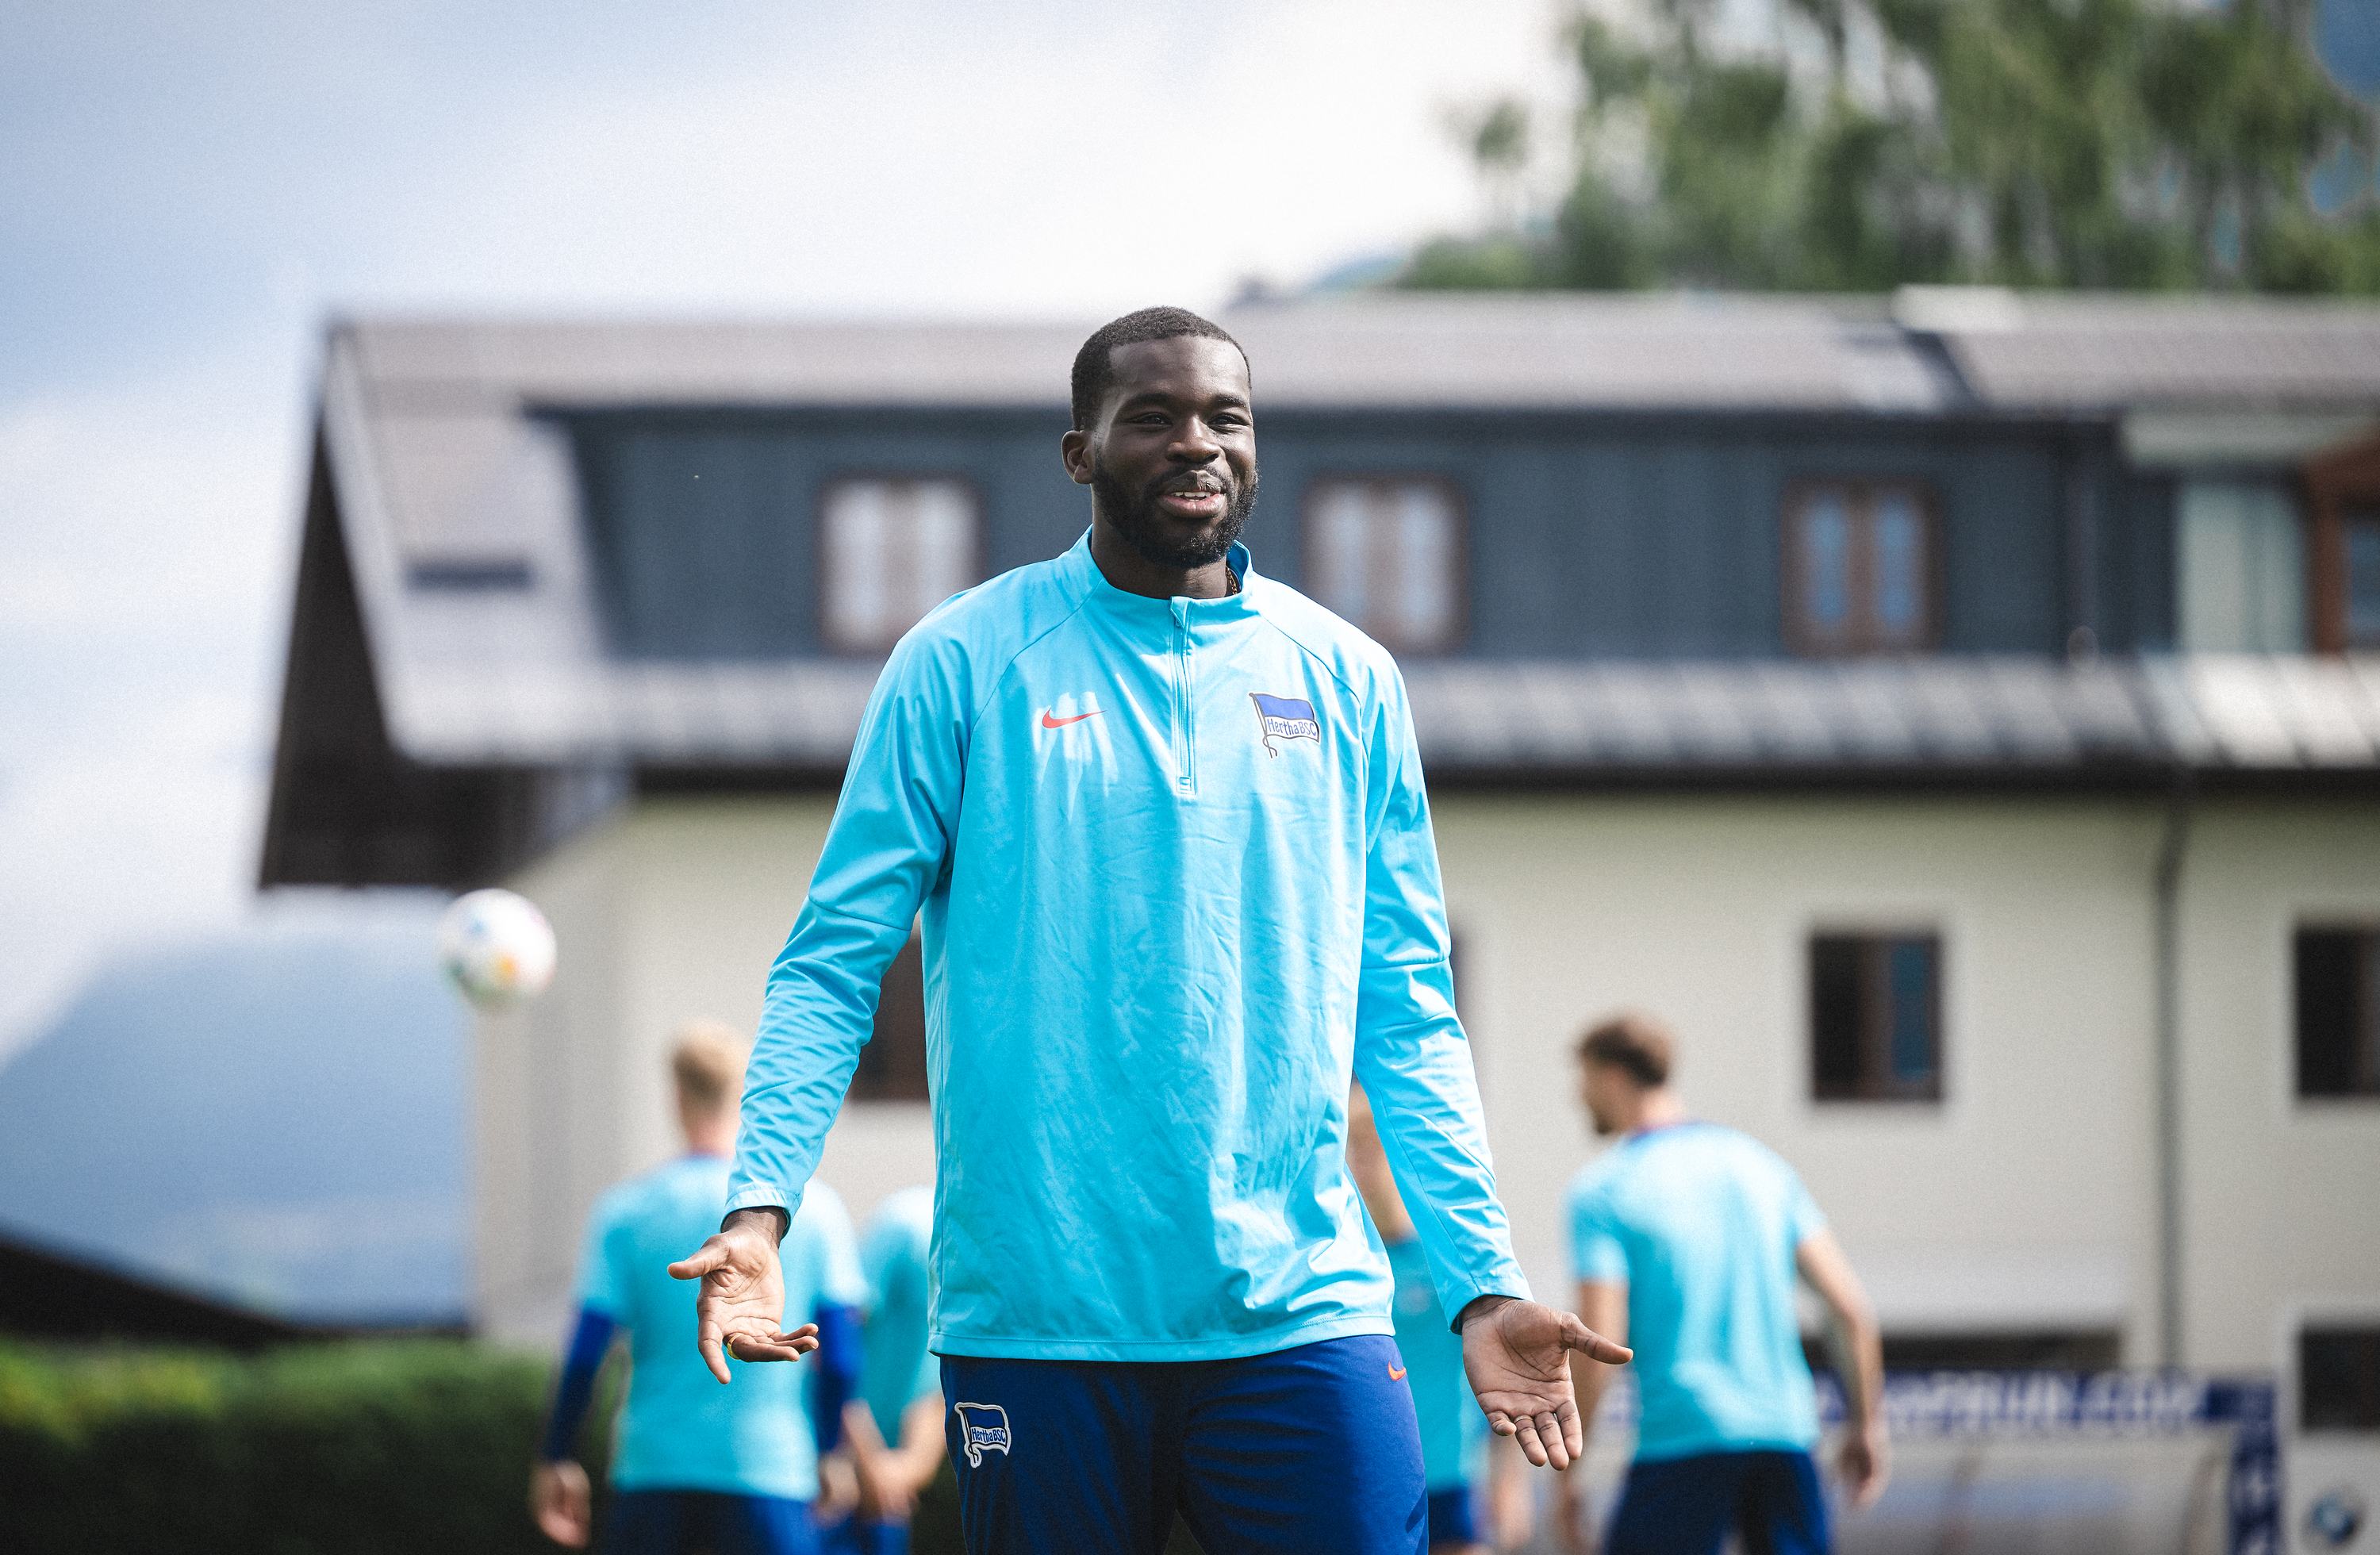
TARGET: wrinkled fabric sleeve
(1411,1053)
(892,831)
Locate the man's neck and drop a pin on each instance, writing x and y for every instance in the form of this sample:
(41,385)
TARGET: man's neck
(1125,566)
(1655,1108)
(709,1136)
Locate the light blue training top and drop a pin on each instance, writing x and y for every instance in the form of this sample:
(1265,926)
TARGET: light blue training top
(680,1430)
(1178,881)
(1702,1223)
(1453,1432)
(899,1370)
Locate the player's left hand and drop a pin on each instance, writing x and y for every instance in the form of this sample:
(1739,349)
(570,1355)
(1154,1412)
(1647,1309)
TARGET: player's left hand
(1516,1354)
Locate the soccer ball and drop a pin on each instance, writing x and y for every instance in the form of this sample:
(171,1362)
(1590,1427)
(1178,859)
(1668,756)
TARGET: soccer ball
(496,948)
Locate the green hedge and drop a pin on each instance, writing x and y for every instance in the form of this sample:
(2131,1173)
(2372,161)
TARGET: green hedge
(335,1448)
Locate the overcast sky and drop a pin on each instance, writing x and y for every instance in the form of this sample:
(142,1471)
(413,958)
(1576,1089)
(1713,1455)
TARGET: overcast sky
(188,189)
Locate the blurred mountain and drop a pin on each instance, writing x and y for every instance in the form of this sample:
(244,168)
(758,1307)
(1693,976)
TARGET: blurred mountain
(275,1117)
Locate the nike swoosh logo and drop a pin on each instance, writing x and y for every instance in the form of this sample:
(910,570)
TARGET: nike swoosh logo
(1050,722)
(1396,1374)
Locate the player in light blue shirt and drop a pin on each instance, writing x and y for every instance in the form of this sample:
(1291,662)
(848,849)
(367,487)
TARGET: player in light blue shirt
(1687,1239)
(1454,1439)
(895,1427)
(1165,823)
(695,1465)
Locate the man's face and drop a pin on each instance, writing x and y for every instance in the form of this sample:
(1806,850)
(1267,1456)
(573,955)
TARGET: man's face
(1174,457)
(1608,1093)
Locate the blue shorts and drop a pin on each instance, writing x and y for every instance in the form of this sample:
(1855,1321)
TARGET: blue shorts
(1450,1517)
(1314,1448)
(1687,1506)
(682,1521)
(857,1535)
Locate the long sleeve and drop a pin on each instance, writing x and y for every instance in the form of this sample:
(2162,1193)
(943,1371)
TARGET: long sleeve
(1411,1053)
(575,1388)
(884,850)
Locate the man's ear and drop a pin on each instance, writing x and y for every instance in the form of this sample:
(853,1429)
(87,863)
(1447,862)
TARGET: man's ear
(1075,448)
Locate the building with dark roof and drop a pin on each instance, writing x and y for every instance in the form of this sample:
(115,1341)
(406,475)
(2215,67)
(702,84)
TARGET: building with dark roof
(1960,713)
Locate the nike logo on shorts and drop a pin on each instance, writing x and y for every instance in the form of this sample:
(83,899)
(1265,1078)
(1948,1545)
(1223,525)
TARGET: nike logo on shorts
(1396,1374)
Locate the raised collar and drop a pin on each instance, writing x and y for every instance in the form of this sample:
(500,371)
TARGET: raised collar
(1123,604)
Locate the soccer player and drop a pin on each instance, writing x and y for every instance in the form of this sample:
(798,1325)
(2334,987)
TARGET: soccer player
(894,1429)
(693,1468)
(1687,1237)
(1454,1436)
(1165,820)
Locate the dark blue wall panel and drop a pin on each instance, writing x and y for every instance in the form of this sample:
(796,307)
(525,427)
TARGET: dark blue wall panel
(1616,536)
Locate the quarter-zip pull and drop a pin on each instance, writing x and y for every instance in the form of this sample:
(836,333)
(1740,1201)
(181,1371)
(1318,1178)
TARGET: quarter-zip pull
(1186,706)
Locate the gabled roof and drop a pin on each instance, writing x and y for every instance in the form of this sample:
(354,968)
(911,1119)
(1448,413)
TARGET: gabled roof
(448,606)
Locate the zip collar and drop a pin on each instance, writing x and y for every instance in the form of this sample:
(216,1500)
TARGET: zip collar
(1200,615)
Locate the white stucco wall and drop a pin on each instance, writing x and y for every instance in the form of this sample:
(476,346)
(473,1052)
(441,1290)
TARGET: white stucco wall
(673,909)
(2024,1200)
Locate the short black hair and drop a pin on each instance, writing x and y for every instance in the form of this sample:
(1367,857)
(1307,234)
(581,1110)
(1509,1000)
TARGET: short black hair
(1636,1044)
(1095,363)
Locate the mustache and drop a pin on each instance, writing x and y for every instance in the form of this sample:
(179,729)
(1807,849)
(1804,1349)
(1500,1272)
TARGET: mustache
(1202,479)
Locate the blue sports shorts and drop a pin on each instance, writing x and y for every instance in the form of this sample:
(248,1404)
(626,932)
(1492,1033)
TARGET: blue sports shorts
(1686,1506)
(684,1521)
(1450,1520)
(1303,1450)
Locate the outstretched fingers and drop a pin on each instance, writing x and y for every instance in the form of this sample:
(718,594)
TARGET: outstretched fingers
(1547,1435)
(775,1346)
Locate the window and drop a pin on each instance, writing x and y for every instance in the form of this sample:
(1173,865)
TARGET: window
(2343,507)
(889,550)
(2359,531)
(2337,998)
(893,1065)
(2241,555)
(1876,1017)
(2338,1379)
(1387,555)
(1860,568)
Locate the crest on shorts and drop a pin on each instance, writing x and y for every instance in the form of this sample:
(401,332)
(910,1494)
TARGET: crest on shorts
(983,1427)
(1285,718)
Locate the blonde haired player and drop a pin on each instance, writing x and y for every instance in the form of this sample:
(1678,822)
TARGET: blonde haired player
(698,1467)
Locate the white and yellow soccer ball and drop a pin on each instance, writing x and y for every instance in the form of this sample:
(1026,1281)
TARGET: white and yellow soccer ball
(496,948)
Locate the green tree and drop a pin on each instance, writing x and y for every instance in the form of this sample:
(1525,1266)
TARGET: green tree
(2096,143)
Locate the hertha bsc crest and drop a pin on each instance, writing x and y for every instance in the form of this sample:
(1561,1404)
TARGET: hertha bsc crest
(1285,718)
(983,1427)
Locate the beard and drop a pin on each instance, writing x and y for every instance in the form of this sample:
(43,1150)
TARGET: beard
(1161,543)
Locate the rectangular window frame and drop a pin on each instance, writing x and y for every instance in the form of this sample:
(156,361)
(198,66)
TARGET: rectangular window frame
(1459,581)
(2363,1088)
(822,560)
(1875,1084)
(2339,487)
(1861,494)
(2323,1409)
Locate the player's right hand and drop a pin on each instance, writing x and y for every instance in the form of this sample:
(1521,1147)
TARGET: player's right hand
(742,1300)
(559,1500)
(1865,1460)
